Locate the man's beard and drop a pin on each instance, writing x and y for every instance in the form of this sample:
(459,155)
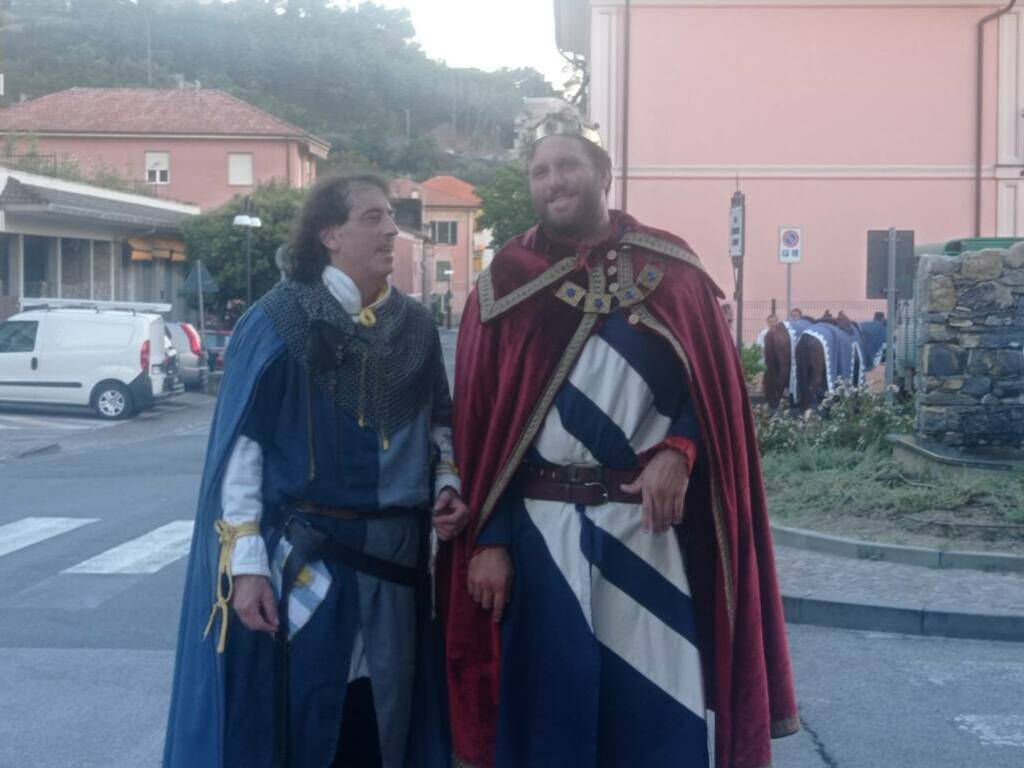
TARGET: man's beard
(584,221)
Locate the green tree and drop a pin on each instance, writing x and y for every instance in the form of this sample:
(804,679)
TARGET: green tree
(221,245)
(507,207)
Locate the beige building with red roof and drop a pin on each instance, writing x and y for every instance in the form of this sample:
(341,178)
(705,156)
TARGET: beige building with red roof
(191,145)
(455,257)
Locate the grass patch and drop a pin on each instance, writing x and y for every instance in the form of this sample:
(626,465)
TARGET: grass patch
(833,472)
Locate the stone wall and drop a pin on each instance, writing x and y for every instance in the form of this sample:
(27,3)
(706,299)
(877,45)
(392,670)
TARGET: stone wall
(970,377)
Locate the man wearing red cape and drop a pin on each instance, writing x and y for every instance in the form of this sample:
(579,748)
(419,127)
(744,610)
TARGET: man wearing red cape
(614,601)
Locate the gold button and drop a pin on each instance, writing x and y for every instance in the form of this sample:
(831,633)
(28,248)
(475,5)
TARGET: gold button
(634,318)
(612,270)
(613,287)
(612,255)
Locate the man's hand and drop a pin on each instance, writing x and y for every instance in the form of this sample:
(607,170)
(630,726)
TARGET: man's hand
(253,601)
(450,514)
(490,580)
(663,485)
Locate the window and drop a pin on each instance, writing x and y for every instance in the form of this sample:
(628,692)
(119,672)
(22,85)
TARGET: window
(18,336)
(74,268)
(442,270)
(240,169)
(445,232)
(40,255)
(158,167)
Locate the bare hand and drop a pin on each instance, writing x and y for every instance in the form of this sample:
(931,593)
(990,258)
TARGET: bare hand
(663,486)
(253,601)
(450,514)
(490,580)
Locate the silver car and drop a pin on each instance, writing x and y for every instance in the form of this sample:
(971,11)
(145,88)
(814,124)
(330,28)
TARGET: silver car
(192,369)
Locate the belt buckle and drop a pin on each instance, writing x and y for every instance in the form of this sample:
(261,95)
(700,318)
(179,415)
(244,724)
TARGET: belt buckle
(605,494)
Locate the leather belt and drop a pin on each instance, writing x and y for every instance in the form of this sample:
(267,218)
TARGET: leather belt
(589,486)
(341,513)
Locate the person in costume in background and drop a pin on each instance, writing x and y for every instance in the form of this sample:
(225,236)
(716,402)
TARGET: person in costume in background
(332,426)
(613,601)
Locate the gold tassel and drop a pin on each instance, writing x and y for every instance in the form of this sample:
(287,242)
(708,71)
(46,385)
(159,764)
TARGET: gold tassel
(228,535)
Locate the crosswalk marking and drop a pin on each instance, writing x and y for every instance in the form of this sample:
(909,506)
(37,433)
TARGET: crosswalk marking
(31,530)
(11,421)
(146,554)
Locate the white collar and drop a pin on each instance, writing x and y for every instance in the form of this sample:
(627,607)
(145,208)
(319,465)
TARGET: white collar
(345,291)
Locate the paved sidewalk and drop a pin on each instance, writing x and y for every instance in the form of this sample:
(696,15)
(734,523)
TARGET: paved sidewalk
(867,594)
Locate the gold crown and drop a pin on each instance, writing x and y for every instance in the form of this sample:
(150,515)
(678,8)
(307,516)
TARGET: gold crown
(564,123)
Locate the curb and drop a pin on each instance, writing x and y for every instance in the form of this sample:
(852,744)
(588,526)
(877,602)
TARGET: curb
(39,451)
(812,541)
(903,620)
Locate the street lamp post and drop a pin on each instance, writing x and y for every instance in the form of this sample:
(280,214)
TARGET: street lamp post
(448,299)
(246,219)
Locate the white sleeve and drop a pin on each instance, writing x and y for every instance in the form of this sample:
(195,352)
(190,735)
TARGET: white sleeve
(447,474)
(241,496)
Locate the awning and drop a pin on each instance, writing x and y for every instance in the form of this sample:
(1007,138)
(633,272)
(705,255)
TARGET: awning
(149,248)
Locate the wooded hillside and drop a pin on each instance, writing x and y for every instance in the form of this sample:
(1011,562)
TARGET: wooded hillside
(351,75)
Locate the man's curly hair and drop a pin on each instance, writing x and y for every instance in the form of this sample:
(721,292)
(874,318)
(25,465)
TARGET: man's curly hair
(326,206)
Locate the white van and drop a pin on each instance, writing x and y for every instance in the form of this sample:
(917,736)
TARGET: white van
(109,356)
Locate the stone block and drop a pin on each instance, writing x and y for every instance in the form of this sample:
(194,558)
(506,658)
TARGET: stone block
(1012,277)
(947,398)
(938,264)
(943,360)
(1014,258)
(951,383)
(1008,340)
(986,297)
(982,265)
(1008,363)
(970,340)
(931,420)
(936,332)
(976,386)
(941,294)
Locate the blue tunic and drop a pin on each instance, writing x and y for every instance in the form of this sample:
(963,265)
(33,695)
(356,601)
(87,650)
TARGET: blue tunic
(600,665)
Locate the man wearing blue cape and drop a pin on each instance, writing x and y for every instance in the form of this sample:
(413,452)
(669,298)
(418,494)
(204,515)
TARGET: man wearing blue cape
(302,641)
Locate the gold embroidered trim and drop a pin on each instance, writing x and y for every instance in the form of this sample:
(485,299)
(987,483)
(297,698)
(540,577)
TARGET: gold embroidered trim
(665,247)
(491,308)
(228,535)
(716,504)
(571,293)
(787,726)
(597,303)
(540,410)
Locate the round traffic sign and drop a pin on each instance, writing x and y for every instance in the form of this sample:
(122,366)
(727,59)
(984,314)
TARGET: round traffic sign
(791,238)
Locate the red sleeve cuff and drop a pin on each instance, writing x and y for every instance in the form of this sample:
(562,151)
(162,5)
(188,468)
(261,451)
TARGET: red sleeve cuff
(684,445)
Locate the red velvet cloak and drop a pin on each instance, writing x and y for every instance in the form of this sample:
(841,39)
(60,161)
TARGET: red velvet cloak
(504,363)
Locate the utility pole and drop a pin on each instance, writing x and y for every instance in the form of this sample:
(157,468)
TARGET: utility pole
(737,247)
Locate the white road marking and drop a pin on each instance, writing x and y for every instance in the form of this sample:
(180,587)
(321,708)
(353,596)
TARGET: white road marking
(146,554)
(994,730)
(31,530)
(12,421)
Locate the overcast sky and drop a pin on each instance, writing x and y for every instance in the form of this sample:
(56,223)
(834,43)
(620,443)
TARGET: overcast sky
(488,34)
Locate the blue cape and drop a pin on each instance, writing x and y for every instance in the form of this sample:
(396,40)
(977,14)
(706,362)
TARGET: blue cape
(196,722)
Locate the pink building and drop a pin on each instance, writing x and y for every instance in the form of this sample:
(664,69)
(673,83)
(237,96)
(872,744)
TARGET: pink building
(197,146)
(450,209)
(836,116)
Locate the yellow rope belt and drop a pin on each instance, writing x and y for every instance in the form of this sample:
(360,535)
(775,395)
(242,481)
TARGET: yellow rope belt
(228,535)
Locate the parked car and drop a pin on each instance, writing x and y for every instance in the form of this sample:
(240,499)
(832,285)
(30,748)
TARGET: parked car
(191,360)
(216,345)
(114,361)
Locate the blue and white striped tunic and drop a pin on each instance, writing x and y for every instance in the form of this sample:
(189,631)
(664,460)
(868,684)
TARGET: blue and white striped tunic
(600,665)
